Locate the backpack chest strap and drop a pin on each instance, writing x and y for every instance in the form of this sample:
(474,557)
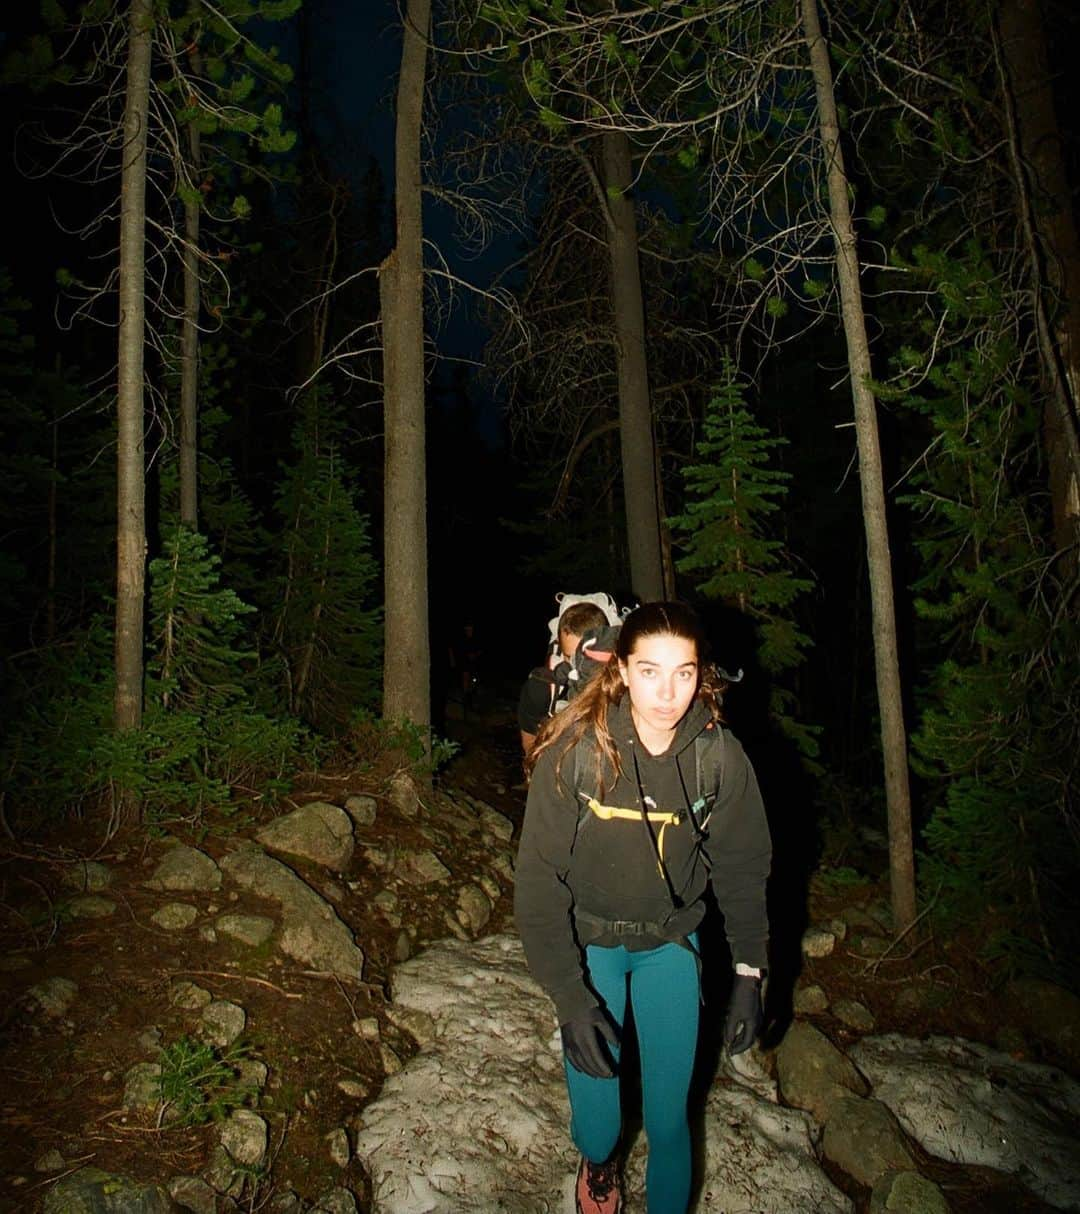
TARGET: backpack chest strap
(608,813)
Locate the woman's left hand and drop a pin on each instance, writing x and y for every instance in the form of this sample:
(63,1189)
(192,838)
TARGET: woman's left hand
(745,1017)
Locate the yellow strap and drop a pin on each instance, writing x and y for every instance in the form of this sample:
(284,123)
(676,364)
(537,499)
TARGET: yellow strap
(664,820)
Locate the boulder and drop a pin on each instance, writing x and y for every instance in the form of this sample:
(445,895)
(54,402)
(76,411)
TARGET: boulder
(864,1138)
(318,831)
(311,931)
(813,1073)
(185,869)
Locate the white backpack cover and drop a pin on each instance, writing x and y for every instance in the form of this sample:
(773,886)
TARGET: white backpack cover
(599,599)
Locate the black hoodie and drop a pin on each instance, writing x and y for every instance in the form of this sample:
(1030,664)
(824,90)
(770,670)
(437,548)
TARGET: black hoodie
(577,873)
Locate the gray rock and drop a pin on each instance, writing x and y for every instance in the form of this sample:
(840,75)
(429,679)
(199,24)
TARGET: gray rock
(907,1193)
(362,810)
(353,1089)
(149,1039)
(474,909)
(854,1014)
(419,1025)
(251,930)
(810,1000)
(245,1136)
(174,916)
(490,886)
(53,996)
(864,1138)
(318,831)
(252,1073)
(222,1173)
(92,1191)
(311,931)
(969,1104)
(817,942)
(367,1028)
(285,1202)
(192,1193)
(222,1022)
(402,947)
(91,906)
(337,1201)
(421,868)
(378,857)
(337,1143)
(189,996)
(142,1086)
(454,924)
(391,1063)
(493,822)
(88,876)
(386,901)
(503,864)
(813,1074)
(184,869)
(404,795)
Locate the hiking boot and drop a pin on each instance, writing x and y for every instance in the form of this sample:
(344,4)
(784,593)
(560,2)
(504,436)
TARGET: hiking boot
(598,1189)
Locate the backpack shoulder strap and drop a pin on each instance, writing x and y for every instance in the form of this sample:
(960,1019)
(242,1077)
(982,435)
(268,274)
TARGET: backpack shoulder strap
(708,766)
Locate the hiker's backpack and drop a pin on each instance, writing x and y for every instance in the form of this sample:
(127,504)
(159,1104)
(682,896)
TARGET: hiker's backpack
(708,773)
(595,650)
(600,599)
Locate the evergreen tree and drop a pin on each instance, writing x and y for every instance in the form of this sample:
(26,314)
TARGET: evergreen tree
(732,489)
(1000,727)
(326,628)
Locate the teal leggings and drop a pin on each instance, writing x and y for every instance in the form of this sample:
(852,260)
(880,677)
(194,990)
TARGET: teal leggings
(665,994)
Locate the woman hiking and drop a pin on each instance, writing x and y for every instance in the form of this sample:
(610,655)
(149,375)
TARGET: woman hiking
(616,850)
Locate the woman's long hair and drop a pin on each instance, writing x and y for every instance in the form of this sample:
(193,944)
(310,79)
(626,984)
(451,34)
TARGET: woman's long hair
(586,715)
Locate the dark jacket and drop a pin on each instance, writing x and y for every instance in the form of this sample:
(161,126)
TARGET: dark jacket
(576,873)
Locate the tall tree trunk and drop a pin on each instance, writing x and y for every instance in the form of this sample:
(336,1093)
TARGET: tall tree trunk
(879,561)
(189,348)
(1047,221)
(54,468)
(131,473)
(406,666)
(635,412)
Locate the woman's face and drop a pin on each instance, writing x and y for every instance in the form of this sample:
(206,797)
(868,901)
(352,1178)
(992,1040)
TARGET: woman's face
(661,676)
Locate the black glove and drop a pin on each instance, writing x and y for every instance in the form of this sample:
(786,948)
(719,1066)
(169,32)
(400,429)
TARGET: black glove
(582,1045)
(744,1015)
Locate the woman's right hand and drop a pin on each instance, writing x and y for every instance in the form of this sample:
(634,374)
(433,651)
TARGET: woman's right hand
(583,1047)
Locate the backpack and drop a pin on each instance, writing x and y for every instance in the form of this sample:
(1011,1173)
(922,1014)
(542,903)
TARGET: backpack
(565,679)
(600,599)
(708,773)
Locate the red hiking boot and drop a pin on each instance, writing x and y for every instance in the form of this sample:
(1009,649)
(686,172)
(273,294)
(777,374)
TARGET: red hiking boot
(598,1189)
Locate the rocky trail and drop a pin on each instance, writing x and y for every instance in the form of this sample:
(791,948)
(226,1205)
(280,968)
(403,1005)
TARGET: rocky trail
(322,1006)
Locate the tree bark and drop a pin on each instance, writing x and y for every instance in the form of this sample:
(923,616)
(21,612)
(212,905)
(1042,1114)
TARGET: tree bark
(189,349)
(131,473)
(638,444)
(879,560)
(1045,206)
(406,666)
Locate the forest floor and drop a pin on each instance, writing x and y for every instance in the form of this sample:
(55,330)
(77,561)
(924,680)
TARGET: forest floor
(61,1081)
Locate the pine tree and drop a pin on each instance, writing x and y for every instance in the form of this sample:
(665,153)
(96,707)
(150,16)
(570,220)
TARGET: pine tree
(732,489)
(327,627)
(999,733)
